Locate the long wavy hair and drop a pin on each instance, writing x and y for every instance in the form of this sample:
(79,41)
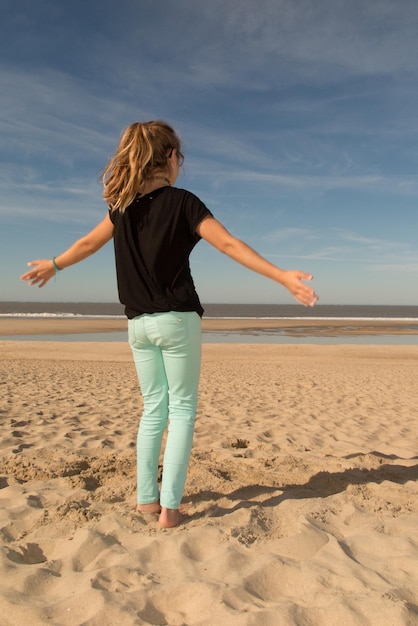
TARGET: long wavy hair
(143,150)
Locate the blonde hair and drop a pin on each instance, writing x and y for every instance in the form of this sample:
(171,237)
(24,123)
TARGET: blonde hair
(143,150)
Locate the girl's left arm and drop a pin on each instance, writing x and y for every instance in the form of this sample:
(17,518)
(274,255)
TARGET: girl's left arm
(44,269)
(216,234)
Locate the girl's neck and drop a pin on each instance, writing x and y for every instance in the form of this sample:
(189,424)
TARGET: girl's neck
(154,183)
(164,178)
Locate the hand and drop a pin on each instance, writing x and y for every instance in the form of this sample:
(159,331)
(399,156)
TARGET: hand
(303,293)
(43,270)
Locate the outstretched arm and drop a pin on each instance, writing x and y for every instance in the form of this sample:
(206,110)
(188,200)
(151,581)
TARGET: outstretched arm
(216,234)
(43,269)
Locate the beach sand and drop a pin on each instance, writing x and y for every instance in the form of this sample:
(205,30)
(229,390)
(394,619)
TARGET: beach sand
(302,490)
(297,327)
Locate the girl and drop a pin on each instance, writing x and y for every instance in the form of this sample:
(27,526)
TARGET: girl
(154,227)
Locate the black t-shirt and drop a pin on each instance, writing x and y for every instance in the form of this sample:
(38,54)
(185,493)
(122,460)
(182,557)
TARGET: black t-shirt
(153,240)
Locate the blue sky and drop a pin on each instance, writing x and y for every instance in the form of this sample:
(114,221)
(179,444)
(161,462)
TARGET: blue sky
(299,122)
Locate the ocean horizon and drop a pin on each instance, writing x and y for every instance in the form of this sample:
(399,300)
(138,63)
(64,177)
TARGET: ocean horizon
(405,315)
(115,310)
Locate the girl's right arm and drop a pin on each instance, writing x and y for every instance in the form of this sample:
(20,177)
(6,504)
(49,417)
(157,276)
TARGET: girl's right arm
(216,234)
(44,269)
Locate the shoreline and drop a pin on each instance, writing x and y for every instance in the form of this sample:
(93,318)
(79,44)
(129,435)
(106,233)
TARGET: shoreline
(295,327)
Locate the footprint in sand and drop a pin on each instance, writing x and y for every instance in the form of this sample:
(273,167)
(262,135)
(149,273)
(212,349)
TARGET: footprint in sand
(29,554)
(120,580)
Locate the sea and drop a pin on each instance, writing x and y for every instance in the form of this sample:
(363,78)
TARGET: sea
(405,317)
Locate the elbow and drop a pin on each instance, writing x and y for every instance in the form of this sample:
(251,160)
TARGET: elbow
(87,246)
(229,246)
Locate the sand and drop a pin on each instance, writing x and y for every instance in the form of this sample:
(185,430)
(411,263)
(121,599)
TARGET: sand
(296,327)
(302,490)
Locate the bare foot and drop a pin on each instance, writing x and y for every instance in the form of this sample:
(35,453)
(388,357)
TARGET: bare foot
(152,507)
(170,518)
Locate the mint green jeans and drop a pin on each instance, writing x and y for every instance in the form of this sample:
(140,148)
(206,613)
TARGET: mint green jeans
(166,349)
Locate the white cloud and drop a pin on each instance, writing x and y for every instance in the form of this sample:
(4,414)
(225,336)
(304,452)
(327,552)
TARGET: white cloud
(411,267)
(320,39)
(27,195)
(292,233)
(373,244)
(347,247)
